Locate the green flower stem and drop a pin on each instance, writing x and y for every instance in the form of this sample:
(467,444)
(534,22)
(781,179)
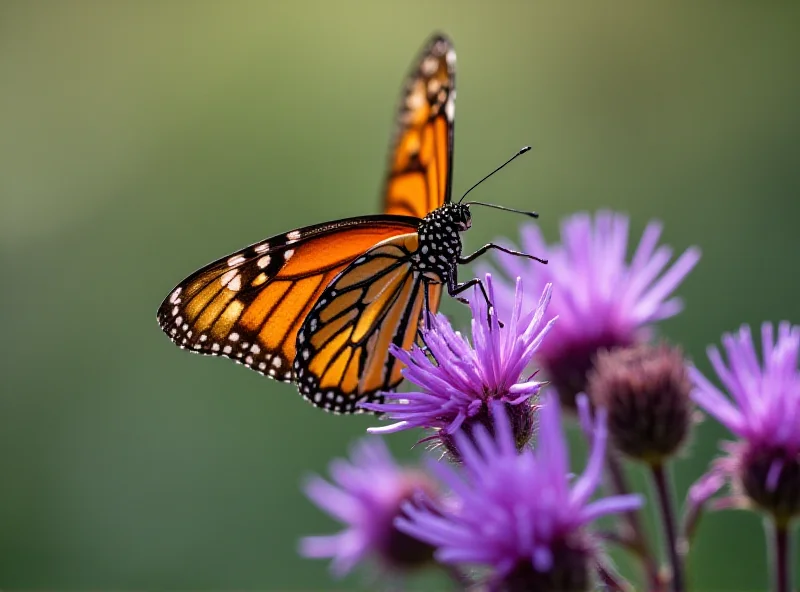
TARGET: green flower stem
(780,550)
(665,503)
(620,485)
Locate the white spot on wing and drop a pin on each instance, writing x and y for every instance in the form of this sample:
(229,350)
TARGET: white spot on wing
(264,261)
(293,237)
(429,65)
(235,284)
(415,100)
(261,248)
(287,254)
(450,106)
(235,260)
(228,276)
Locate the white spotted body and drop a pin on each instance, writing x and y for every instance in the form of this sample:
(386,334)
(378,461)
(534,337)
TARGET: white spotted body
(440,241)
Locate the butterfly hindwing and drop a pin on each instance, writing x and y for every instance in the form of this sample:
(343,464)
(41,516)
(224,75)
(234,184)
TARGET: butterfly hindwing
(343,346)
(321,305)
(421,155)
(249,305)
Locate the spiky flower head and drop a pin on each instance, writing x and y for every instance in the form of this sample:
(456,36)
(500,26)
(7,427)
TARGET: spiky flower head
(602,299)
(458,381)
(763,410)
(367,495)
(646,392)
(517,512)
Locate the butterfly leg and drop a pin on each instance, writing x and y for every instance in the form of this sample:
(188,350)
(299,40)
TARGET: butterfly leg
(427,311)
(485,248)
(427,307)
(454,288)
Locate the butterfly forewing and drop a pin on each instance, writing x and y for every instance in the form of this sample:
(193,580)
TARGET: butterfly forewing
(343,346)
(321,305)
(249,305)
(421,154)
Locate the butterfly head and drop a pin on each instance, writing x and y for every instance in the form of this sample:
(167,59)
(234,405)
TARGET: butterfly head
(461,216)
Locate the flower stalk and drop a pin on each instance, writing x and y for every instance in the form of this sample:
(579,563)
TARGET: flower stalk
(780,551)
(635,534)
(667,512)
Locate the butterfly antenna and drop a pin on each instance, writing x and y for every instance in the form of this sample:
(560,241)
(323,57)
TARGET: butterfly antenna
(520,152)
(496,207)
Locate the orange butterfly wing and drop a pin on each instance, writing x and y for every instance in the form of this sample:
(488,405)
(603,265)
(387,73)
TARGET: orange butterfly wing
(339,293)
(421,155)
(343,346)
(249,305)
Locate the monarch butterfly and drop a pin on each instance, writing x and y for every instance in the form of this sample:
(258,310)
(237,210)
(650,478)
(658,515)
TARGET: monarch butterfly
(319,306)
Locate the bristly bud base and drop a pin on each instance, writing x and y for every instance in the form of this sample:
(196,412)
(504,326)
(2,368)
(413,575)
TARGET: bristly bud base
(522,421)
(771,479)
(646,390)
(568,369)
(399,551)
(569,573)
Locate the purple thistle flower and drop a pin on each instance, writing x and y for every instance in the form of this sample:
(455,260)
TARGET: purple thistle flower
(763,411)
(518,513)
(367,496)
(602,300)
(457,385)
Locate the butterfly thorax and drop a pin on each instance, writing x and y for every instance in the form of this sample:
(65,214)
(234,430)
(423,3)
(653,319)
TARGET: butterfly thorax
(440,241)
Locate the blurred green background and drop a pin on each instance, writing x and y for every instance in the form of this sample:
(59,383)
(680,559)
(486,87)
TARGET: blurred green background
(140,140)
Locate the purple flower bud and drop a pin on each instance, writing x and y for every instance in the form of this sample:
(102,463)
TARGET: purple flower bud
(458,381)
(646,391)
(763,411)
(369,494)
(519,513)
(602,300)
